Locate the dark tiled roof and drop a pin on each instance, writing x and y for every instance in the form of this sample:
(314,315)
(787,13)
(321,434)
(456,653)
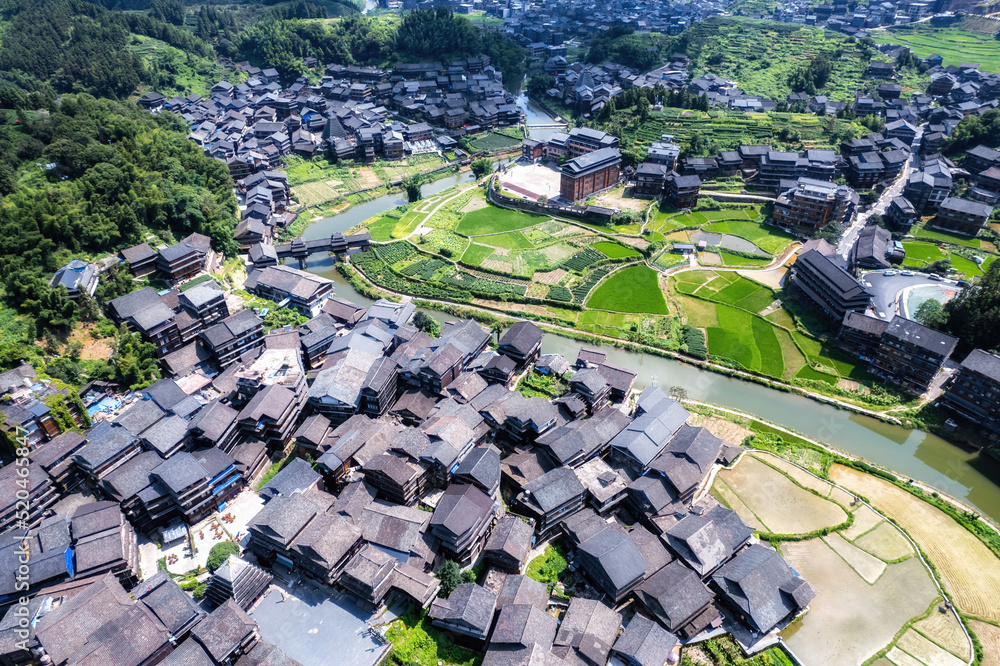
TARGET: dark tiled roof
(645,642)
(984,363)
(674,594)
(921,336)
(224,629)
(760,583)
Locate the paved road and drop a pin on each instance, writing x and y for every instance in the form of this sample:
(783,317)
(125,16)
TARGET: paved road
(886,289)
(880,206)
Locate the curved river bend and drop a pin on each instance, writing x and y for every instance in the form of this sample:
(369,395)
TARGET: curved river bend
(914,453)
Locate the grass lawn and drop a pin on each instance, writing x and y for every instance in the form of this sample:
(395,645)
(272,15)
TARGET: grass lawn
(825,354)
(515,240)
(475,255)
(730,259)
(925,252)
(954,239)
(969,267)
(407,225)
(492,220)
(549,568)
(195,282)
(633,289)
(807,372)
(615,251)
(381,229)
(415,641)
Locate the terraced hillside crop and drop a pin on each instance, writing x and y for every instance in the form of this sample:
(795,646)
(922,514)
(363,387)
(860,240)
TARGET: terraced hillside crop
(760,55)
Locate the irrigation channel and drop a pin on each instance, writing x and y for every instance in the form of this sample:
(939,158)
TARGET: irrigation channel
(964,475)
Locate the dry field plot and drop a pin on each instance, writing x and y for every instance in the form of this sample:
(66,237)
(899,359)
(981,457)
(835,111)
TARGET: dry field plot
(864,520)
(886,543)
(803,477)
(368,178)
(727,430)
(309,194)
(725,494)
(782,506)
(850,620)
(927,652)
(989,636)
(969,570)
(867,566)
(475,203)
(945,630)
(549,277)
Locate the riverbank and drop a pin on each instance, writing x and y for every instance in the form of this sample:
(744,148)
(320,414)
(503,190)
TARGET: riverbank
(959,548)
(497,315)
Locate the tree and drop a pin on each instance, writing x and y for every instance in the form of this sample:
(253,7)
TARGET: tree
(450,577)
(424,322)
(931,314)
(539,83)
(135,362)
(482,167)
(412,187)
(974,315)
(220,553)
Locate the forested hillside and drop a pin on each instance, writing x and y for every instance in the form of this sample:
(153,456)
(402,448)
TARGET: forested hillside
(93,176)
(421,35)
(59,46)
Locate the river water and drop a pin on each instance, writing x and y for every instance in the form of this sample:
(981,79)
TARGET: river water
(913,453)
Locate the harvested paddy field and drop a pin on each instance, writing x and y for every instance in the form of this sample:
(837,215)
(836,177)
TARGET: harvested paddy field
(925,651)
(864,520)
(989,636)
(945,630)
(850,620)
(867,566)
(885,542)
(968,569)
(776,501)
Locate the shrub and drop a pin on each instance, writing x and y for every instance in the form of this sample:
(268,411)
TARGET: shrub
(220,553)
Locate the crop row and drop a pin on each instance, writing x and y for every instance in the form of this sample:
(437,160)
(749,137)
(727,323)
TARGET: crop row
(582,259)
(560,293)
(424,269)
(580,291)
(482,285)
(395,252)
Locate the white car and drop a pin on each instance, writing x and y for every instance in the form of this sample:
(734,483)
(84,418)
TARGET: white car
(888,273)
(907,273)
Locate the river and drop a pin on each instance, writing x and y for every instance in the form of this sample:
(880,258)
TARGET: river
(919,455)
(534,115)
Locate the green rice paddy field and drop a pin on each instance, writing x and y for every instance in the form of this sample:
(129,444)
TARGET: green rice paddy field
(727,307)
(632,289)
(955,46)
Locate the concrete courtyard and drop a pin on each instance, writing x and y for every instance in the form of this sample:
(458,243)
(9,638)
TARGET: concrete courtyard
(315,628)
(532,180)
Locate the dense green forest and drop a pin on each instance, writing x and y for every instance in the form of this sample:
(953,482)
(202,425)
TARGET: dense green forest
(620,44)
(59,46)
(93,176)
(421,35)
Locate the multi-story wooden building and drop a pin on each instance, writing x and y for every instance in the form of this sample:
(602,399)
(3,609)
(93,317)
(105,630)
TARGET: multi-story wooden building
(814,204)
(590,172)
(974,392)
(682,191)
(910,354)
(826,287)
(962,216)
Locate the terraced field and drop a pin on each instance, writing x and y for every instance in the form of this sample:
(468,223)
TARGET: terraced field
(953,44)
(969,570)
